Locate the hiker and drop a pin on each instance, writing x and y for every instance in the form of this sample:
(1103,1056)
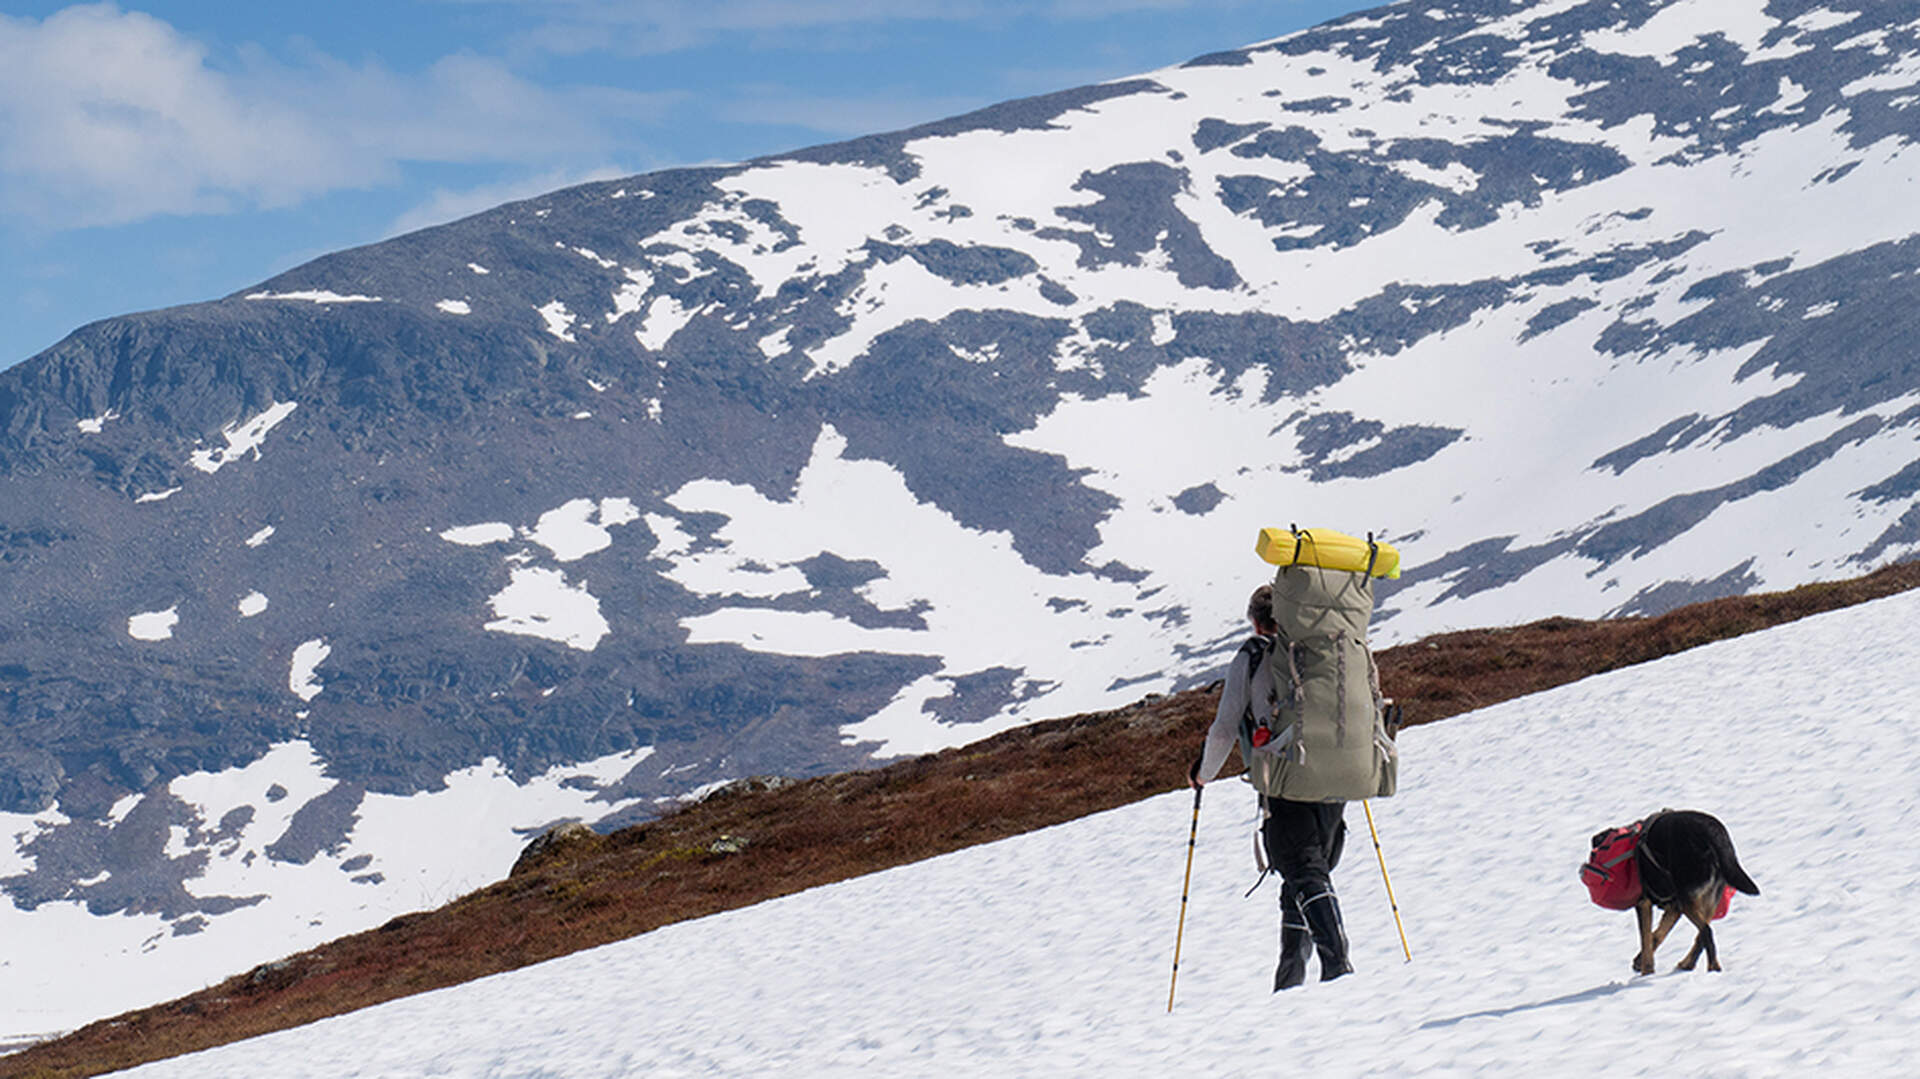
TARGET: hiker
(1302,839)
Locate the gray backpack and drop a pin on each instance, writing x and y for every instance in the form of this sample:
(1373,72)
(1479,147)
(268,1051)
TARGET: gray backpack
(1316,730)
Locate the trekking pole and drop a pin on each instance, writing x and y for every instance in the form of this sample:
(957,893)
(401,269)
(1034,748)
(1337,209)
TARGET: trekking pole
(1192,838)
(1377,853)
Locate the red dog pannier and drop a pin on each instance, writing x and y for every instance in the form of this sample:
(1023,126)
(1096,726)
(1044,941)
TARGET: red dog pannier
(1612,873)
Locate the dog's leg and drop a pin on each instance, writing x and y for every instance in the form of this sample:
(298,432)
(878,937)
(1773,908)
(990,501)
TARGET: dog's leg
(1643,913)
(1700,913)
(1667,920)
(1668,916)
(1703,939)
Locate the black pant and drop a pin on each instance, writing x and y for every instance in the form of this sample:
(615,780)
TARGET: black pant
(1303,841)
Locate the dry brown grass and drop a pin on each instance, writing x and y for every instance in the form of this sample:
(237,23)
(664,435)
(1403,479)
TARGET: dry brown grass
(836,827)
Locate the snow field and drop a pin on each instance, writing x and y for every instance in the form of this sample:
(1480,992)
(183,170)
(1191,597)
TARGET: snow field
(1049,953)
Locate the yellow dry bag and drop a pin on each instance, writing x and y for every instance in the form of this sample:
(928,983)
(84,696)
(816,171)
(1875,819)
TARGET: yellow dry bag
(1327,549)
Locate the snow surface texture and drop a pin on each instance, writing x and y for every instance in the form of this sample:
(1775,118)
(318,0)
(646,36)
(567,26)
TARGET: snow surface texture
(1048,954)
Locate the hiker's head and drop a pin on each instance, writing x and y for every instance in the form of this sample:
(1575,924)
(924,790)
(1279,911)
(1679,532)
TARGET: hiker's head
(1260,610)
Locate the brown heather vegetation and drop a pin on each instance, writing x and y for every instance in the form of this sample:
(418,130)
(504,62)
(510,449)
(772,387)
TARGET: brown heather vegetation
(817,831)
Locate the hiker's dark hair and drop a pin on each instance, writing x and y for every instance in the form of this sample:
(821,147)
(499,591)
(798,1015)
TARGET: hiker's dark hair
(1260,605)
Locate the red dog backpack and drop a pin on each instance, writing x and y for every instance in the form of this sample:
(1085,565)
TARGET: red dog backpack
(1612,874)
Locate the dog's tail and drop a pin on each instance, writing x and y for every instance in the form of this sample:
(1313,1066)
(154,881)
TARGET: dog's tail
(1730,865)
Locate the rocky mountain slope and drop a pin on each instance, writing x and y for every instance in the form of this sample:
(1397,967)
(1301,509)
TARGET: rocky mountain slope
(886,446)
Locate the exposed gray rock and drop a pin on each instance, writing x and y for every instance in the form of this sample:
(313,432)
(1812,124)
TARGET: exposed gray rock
(559,840)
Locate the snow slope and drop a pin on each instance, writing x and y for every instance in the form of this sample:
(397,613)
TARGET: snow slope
(1049,953)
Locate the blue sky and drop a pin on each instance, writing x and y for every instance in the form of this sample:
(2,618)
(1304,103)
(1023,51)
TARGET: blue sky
(172,152)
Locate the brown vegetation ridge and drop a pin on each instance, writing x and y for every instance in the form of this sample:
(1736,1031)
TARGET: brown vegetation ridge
(758,841)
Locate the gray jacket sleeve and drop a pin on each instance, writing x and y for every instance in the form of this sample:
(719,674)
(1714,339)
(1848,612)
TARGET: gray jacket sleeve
(1225,731)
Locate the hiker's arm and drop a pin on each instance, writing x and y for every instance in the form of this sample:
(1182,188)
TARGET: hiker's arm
(1226,721)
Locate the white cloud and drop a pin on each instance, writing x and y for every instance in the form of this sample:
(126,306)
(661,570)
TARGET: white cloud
(110,116)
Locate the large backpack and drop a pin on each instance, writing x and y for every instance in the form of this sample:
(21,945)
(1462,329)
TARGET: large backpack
(1316,731)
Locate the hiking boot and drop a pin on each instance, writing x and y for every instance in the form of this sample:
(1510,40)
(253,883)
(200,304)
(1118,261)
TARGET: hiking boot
(1329,935)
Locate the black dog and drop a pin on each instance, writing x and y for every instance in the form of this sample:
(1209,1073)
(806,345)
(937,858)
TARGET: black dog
(1686,861)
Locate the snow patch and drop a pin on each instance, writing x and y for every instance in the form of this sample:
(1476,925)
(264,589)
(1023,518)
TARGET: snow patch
(307,658)
(1792,94)
(479,535)
(455,307)
(93,426)
(260,537)
(252,603)
(628,297)
(154,625)
(1900,75)
(579,528)
(242,438)
(775,344)
(558,319)
(319,296)
(664,318)
(540,602)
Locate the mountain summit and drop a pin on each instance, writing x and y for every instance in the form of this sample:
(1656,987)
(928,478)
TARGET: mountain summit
(593,499)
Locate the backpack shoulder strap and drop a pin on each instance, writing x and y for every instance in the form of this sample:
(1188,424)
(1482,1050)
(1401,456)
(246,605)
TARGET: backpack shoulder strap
(1256,648)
